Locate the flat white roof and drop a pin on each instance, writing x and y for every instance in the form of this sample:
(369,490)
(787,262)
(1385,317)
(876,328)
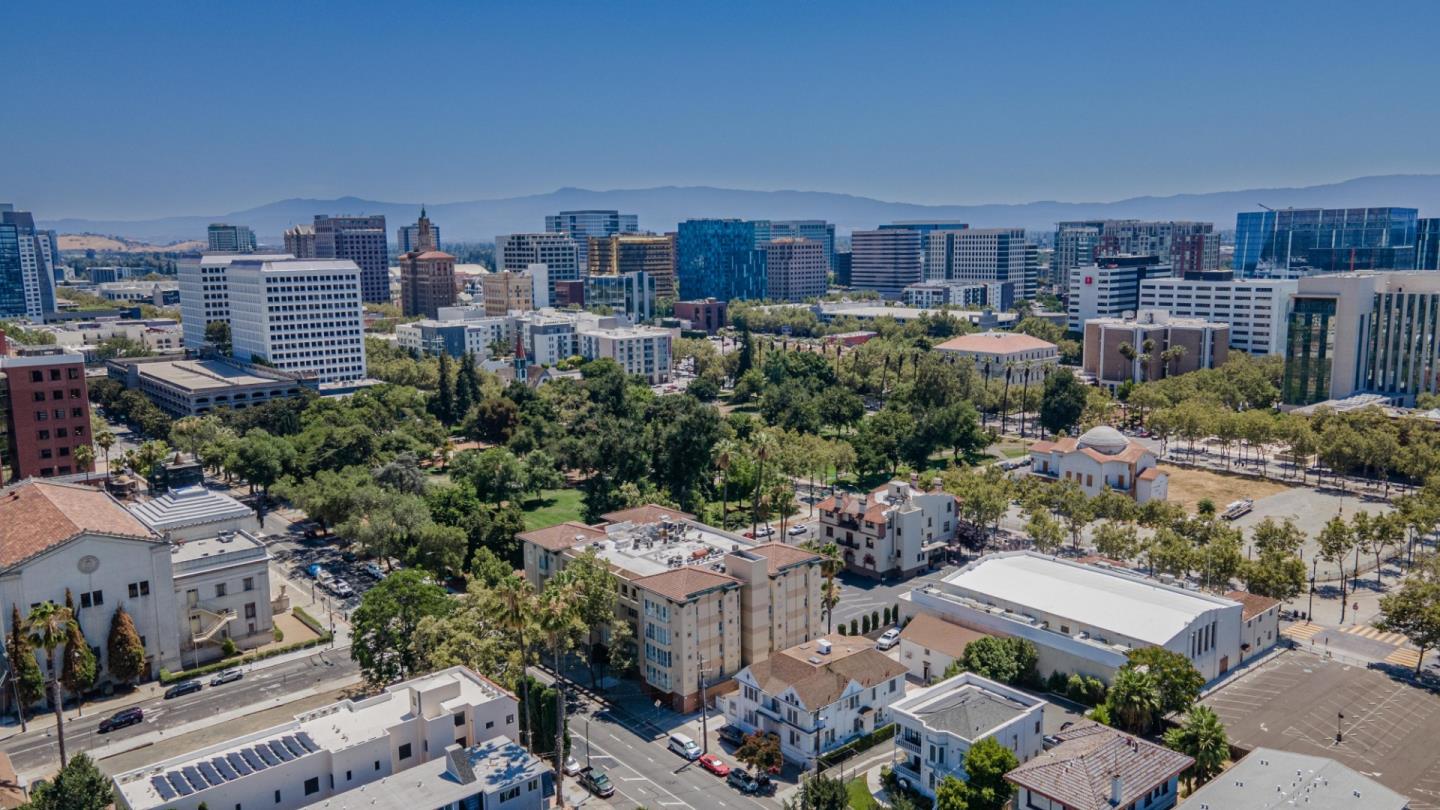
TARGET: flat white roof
(1125,604)
(645,550)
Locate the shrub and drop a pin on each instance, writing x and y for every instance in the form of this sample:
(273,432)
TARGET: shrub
(865,625)
(1075,688)
(278,634)
(1057,683)
(854,628)
(842,629)
(875,619)
(228,649)
(166,676)
(308,620)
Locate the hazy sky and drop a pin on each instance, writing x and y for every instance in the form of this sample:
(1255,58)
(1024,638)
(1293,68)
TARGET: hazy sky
(143,109)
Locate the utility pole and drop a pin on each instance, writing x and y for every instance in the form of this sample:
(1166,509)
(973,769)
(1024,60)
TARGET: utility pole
(1314,569)
(704,728)
(587,741)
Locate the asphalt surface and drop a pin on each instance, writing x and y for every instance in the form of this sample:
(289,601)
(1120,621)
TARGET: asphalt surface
(38,748)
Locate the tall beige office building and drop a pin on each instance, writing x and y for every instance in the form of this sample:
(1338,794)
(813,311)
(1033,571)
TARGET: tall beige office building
(506,291)
(623,253)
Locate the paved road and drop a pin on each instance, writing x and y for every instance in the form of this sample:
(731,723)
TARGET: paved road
(860,595)
(37,749)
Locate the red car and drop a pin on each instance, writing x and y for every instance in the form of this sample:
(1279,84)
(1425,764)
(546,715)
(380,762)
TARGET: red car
(712,763)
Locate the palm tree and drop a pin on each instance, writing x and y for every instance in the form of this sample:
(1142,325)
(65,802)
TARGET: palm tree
(1134,700)
(830,563)
(84,458)
(1005,398)
(1026,369)
(558,620)
(517,600)
(1148,350)
(764,446)
(1128,352)
(1170,357)
(49,628)
(105,439)
(1201,736)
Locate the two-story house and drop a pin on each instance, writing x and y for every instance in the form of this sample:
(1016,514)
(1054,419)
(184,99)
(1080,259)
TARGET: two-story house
(894,531)
(1096,767)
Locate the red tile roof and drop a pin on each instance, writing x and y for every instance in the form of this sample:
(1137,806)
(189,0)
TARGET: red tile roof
(1252,604)
(1150,474)
(38,515)
(1077,772)
(562,535)
(649,513)
(682,583)
(996,343)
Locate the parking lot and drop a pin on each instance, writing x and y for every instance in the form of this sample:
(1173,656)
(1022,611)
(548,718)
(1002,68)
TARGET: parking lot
(1300,702)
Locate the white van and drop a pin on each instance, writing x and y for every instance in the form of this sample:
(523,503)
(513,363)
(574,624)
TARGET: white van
(684,746)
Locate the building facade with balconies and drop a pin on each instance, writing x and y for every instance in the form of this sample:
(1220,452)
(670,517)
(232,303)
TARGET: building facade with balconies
(897,530)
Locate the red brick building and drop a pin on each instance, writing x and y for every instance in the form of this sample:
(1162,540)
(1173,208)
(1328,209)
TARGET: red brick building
(45,405)
(707,315)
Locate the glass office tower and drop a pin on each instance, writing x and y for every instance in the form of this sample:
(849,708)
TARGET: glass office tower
(1325,240)
(1427,244)
(722,259)
(1309,351)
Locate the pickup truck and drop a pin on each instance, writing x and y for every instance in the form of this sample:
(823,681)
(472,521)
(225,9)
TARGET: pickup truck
(597,782)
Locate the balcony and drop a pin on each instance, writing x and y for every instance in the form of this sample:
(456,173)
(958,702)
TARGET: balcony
(909,742)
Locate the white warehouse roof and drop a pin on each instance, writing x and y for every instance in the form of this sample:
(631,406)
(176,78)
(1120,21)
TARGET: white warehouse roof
(1126,604)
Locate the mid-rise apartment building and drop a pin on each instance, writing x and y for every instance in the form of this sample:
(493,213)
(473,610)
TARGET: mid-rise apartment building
(515,252)
(635,253)
(894,531)
(707,315)
(362,240)
(457,336)
(29,262)
(1075,245)
(999,295)
(223,238)
(1257,310)
(886,260)
(44,411)
(327,753)
(797,269)
(1110,290)
(1363,333)
(1160,345)
(816,696)
(507,291)
(640,350)
(582,226)
(1312,241)
(205,292)
(300,241)
(299,315)
(702,602)
(723,259)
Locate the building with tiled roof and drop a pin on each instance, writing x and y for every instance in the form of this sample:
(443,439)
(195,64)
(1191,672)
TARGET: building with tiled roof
(816,696)
(999,350)
(898,530)
(1261,617)
(1096,767)
(1101,457)
(929,644)
(936,726)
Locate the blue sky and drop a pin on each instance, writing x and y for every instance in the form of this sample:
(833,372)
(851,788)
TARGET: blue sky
(146,109)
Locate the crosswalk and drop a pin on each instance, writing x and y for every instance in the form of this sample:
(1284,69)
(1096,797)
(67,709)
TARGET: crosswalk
(1404,657)
(1366,631)
(1302,632)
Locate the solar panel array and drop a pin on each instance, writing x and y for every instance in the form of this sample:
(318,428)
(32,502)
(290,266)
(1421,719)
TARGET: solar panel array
(212,772)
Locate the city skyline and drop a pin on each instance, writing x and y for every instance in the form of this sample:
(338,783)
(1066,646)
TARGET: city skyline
(866,124)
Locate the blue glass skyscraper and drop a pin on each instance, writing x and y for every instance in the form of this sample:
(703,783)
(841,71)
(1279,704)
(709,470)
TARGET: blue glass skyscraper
(721,258)
(1326,240)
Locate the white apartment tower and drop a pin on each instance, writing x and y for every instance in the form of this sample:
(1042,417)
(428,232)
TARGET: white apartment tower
(299,315)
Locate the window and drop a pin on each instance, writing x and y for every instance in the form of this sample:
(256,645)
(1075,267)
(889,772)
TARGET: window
(43,436)
(92,599)
(347,776)
(312,785)
(459,718)
(250,610)
(37,376)
(405,750)
(219,590)
(509,793)
(249,583)
(38,396)
(138,589)
(277,795)
(509,719)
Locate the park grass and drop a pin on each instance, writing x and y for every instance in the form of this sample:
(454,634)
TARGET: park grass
(551,507)
(859,794)
(1189,486)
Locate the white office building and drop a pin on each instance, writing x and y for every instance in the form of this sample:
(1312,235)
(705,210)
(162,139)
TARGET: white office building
(1109,290)
(331,750)
(516,252)
(299,315)
(983,255)
(497,773)
(1258,311)
(1083,619)
(205,292)
(936,726)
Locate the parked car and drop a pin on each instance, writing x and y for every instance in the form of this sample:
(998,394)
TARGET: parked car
(183,688)
(374,571)
(121,719)
(712,763)
(732,735)
(888,639)
(572,766)
(798,529)
(1050,741)
(764,531)
(341,588)
(741,780)
(684,746)
(597,782)
(226,677)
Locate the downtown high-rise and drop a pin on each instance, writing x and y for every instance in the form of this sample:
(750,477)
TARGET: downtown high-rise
(885,261)
(796,269)
(515,252)
(983,255)
(1188,247)
(582,226)
(407,237)
(223,238)
(362,240)
(722,259)
(29,263)
(1293,242)
(651,254)
(427,274)
(816,230)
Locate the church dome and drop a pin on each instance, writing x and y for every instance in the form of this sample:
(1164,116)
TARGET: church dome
(1105,440)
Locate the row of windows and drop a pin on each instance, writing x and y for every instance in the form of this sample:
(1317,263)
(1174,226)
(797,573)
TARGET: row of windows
(38,375)
(56,394)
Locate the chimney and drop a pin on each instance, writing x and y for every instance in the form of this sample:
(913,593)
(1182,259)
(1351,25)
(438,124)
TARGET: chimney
(1115,789)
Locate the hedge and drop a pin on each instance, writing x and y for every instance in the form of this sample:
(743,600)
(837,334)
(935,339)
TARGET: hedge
(308,620)
(168,677)
(879,735)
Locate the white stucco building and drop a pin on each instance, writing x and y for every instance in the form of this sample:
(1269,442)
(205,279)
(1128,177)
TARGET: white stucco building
(205,291)
(298,315)
(816,696)
(997,350)
(895,530)
(1083,619)
(936,726)
(331,750)
(194,512)
(1102,457)
(1257,310)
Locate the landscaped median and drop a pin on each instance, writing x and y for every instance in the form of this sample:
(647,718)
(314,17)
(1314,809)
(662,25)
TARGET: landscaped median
(323,637)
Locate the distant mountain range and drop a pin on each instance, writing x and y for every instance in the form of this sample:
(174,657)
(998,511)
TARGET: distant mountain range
(661,208)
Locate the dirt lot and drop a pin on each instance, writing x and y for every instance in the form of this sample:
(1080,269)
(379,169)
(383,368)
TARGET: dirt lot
(1190,486)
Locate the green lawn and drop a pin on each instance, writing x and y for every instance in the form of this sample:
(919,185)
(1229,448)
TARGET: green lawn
(552,507)
(859,793)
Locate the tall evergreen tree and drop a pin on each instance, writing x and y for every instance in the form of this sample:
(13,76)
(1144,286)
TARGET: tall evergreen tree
(443,406)
(78,671)
(467,386)
(125,652)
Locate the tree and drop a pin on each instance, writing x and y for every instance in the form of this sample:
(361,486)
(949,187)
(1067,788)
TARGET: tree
(79,786)
(1282,537)
(1200,736)
(986,764)
(443,405)
(822,792)
(1414,609)
(593,600)
(1336,540)
(1062,402)
(1134,700)
(1276,575)
(386,621)
(48,627)
(1177,679)
(84,457)
(760,751)
(1008,660)
(261,459)
(1045,532)
(217,334)
(496,474)
(1116,540)
(78,670)
(558,621)
(104,439)
(952,794)
(516,604)
(25,672)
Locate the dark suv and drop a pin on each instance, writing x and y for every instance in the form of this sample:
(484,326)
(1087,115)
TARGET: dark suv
(183,688)
(121,719)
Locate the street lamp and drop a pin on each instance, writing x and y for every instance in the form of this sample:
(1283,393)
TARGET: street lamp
(1339,734)
(1314,569)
